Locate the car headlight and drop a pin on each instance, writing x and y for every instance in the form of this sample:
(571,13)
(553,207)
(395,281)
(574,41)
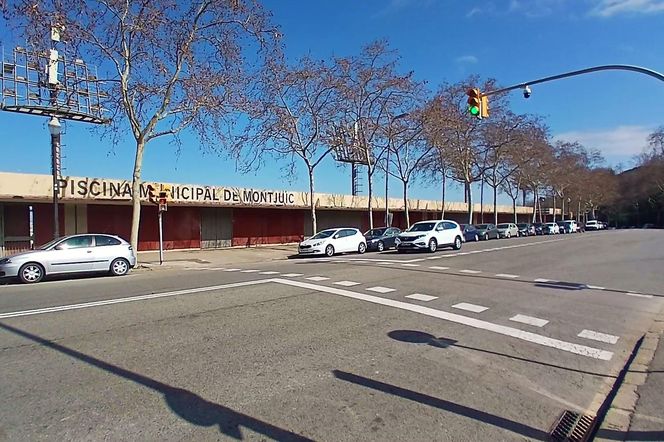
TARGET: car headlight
(317,243)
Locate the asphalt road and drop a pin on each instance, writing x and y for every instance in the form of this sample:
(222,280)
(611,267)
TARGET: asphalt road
(489,343)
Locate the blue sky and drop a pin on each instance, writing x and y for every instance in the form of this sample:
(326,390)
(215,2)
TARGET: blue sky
(441,40)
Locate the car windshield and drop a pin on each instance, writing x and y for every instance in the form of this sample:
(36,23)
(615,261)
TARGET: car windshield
(522,225)
(375,232)
(324,234)
(503,226)
(49,244)
(421,227)
(482,226)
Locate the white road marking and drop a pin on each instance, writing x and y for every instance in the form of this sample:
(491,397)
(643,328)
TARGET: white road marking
(597,336)
(537,322)
(462,253)
(506,275)
(638,295)
(232,270)
(421,297)
(347,283)
(542,280)
(473,272)
(470,307)
(249,271)
(439,268)
(269,273)
(460,319)
(63,308)
(595,287)
(379,289)
(434,257)
(410,265)
(317,278)
(292,275)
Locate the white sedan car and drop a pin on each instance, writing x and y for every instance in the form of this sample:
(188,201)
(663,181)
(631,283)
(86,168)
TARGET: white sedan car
(430,235)
(554,228)
(331,241)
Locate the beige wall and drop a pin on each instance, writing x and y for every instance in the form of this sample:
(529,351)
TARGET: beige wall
(38,188)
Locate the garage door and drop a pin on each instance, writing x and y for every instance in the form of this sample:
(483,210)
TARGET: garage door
(216,228)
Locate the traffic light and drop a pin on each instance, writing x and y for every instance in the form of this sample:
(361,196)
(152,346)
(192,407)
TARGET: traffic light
(164,194)
(475,102)
(484,106)
(152,194)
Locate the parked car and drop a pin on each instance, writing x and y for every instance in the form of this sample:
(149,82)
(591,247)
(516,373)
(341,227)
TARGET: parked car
(563,227)
(507,230)
(470,233)
(526,229)
(331,241)
(383,238)
(592,225)
(71,254)
(487,231)
(552,228)
(430,235)
(572,226)
(540,228)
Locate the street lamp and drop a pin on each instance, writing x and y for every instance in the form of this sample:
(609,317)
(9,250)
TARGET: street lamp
(55,129)
(387,169)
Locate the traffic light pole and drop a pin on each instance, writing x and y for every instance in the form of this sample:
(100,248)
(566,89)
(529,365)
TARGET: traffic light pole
(161,238)
(608,67)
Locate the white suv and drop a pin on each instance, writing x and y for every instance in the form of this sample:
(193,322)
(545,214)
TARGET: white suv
(430,235)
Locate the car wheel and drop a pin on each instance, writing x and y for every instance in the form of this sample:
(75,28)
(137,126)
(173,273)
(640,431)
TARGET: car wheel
(433,245)
(119,267)
(31,273)
(508,235)
(477,238)
(380,246)
(329,250)
(486,237)
(457,243)
(361,248)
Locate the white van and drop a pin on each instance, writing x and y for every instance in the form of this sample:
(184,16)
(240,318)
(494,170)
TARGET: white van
(593,224)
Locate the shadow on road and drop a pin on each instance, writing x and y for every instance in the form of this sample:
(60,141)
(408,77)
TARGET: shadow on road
(187,405)
(442,404)
(418,337)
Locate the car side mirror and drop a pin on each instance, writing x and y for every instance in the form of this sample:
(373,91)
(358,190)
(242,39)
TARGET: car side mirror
(336,236)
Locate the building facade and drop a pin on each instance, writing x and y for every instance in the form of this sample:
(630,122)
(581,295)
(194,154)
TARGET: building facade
(198,216)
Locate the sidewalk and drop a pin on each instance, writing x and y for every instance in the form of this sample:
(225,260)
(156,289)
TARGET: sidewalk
(636,413)
(216,257)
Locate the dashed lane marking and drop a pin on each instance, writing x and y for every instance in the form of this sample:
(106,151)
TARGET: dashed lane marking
(232,270)
(472,272)
(506,275)
(410,265)
(595,287)
(249,271)
(421,297)
(570,347)
(537,322)
(317,278)
(292,275)
(269,273)
(542,280)
(470,307)
(638,295)
(347,283)
(439,268)
(379,289)
(597,336)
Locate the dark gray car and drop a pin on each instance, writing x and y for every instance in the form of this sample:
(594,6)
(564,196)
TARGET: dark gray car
(382,238)
(487,231)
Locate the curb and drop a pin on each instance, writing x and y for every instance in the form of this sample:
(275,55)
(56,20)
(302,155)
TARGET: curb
(621,411)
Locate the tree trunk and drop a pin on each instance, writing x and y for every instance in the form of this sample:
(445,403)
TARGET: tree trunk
(524,197)
(370,193)
(312,201)
(554,207)
(442,214)
(470,203)
(405,203)
(534,205)
(482,201)
(562,209)
(136,195)
(514,209)
(495,204)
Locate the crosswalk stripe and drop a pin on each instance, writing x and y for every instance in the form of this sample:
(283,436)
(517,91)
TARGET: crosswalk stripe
(537,322)
(597,336)
(421,297)
(470,307)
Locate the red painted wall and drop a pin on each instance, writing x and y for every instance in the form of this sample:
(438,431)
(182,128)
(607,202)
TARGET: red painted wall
(182,225)
(267,226)
(43,222)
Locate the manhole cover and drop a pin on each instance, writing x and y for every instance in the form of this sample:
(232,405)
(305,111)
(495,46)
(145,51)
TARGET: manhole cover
(573,427)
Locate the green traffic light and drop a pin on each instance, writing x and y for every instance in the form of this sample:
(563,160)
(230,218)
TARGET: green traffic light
(474,110)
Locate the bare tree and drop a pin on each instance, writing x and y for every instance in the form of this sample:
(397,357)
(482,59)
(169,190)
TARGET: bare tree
(296,122)
(372,92)
(169,66)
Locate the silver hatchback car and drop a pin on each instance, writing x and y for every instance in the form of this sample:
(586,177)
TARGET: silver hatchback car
(71,254)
